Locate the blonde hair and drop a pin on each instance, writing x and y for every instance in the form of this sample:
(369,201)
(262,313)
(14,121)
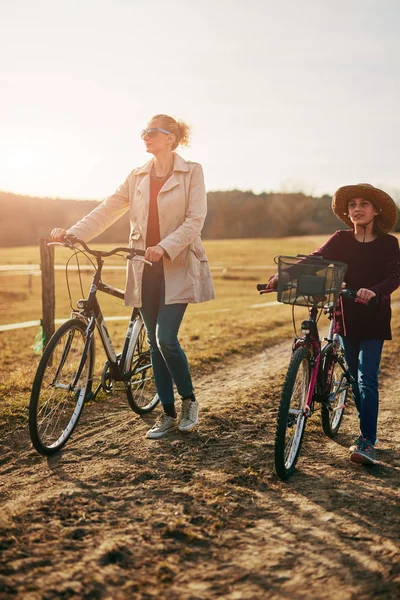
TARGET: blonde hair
(179,128)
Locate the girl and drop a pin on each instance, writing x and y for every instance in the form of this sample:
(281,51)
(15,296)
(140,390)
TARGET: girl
(373,260)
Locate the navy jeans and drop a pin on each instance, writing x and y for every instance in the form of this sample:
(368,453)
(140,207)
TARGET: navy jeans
(363,358)
(162,324)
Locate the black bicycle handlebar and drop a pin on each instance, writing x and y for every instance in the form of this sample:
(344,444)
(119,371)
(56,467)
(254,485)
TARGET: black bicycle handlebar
(346,293)
(262,287)
(352,295)
(70,240)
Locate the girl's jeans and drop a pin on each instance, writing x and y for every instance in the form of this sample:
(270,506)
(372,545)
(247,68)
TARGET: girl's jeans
(363,358)
(162,324)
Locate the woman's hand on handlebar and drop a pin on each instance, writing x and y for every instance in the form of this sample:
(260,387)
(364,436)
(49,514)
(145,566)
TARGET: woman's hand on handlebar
(154,253)
(364,295)
(58,234)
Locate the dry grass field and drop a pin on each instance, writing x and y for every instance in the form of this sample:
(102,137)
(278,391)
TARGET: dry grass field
(115,516)
(233,324)
(211,332)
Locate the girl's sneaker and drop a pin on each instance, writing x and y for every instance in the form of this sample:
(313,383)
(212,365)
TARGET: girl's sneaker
(364,454)
(356,443)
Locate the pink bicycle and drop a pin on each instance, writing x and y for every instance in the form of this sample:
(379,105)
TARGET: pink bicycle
(317,375)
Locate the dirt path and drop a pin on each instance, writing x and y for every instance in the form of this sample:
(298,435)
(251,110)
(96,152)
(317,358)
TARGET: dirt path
(202,516)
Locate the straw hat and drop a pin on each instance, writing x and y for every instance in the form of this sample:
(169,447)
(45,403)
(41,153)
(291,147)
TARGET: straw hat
(380,199)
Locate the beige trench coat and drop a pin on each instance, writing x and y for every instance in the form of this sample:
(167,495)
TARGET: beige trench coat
(182,208)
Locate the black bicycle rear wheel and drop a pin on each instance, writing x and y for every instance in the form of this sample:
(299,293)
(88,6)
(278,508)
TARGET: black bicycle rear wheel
(291,414)
(140,390)
(337,388)
(56,401)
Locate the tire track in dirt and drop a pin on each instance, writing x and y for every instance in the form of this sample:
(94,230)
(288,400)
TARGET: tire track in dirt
(202,516)
(110,421)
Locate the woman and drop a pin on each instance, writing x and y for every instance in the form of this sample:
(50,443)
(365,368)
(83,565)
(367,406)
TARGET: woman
(167,203)
(373,260)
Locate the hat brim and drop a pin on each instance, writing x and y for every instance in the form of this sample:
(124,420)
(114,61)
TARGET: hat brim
(381,200)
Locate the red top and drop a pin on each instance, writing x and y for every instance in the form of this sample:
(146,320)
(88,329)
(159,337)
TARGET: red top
(153,223)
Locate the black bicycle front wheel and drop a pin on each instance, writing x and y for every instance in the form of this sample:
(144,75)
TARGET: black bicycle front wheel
(140,389)
(57,396)
(337,388)
(292,414)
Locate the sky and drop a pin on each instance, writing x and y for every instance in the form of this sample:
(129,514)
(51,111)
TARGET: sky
(281,96)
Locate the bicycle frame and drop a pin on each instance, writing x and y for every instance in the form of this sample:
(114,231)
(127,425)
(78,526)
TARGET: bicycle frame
(91,311)
(316,388)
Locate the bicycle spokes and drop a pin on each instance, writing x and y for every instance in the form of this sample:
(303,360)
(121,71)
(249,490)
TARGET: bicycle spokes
(292,413)
(297,413)
(58,392)
(337,389)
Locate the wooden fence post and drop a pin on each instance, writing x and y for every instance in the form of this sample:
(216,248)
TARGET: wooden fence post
(48,290)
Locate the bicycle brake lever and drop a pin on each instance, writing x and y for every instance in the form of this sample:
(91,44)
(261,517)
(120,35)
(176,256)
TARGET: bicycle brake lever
(141,258)
(360,301)
(63,244)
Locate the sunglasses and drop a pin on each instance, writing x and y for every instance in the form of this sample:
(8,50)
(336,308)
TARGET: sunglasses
(152,132)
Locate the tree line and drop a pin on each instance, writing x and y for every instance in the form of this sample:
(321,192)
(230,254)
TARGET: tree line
(231,214)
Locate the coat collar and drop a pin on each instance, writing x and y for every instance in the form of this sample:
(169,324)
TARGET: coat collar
(180,164)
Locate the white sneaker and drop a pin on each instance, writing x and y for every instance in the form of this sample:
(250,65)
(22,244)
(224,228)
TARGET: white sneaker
(189,416)
(161,427)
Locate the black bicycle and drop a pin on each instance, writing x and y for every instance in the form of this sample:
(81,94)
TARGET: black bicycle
(64,377)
